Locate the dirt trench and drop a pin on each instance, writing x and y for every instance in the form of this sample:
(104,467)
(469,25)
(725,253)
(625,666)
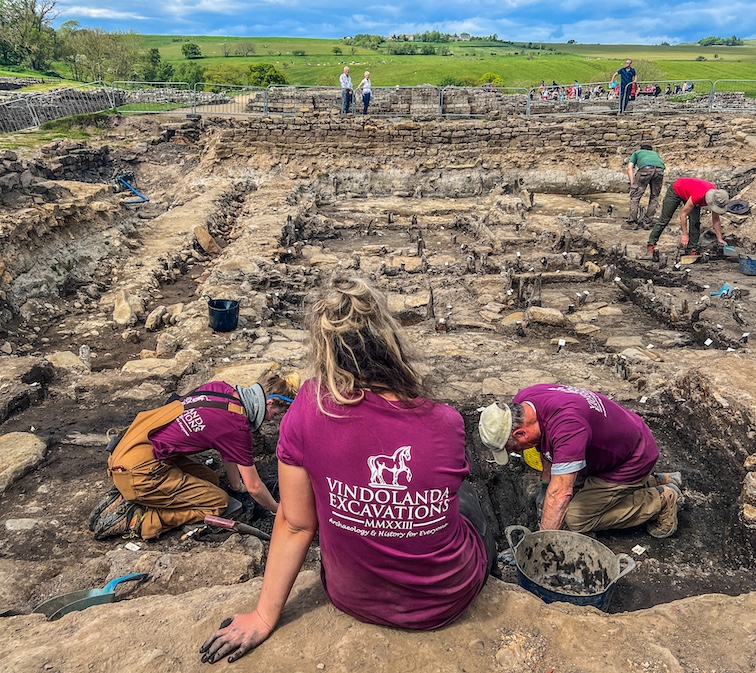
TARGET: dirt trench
(475,274)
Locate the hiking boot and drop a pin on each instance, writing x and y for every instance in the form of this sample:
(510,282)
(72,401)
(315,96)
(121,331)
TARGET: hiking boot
(650,249)
(125,520)
(632,226)
(666,478)
(108,503)
(665,524)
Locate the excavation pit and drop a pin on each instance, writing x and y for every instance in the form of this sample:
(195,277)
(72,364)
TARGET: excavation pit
(496,292)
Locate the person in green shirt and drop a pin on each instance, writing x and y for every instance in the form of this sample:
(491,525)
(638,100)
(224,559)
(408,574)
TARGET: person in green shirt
(644,168)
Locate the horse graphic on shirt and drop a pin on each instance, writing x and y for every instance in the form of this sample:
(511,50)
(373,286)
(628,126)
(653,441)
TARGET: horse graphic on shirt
(395,465)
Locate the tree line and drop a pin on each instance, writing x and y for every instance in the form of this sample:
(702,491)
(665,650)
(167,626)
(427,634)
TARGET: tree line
(28,40)
(713,40)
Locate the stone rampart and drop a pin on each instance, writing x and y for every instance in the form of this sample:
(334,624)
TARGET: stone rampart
(429,101)
(577,143)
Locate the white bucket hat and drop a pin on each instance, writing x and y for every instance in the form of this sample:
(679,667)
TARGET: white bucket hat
(494,427)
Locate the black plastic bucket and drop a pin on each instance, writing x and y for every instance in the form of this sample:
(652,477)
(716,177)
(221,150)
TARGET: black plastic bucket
(224,314)
(559,565)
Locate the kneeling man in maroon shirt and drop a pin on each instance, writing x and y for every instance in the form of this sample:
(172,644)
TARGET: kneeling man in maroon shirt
(598,459)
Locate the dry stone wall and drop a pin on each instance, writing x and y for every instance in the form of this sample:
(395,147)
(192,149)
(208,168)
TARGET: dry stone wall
(22,184)
(474,101)
(13,83)
(72,160)
(518,142)
(24,109)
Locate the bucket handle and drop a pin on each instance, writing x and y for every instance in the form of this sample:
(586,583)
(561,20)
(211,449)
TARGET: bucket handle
(516,529)
(208,298)
(621,572)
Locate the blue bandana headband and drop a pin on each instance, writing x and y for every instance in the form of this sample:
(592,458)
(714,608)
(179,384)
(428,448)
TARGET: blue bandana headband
(276,396)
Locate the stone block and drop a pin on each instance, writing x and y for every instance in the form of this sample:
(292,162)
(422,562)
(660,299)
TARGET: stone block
(9,181)
(618,343)
(155,319)
(545,316)
(206,241)
(21,451)
(749,488)
(68,361)
(123,312)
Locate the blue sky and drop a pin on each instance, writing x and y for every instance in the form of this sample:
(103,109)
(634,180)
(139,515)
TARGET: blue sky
(587,21)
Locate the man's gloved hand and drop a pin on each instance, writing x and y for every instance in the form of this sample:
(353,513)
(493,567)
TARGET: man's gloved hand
(242,495)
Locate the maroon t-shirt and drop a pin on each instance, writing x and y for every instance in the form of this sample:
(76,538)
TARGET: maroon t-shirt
(395,550)
(581,425)
(692,188)
(205,428)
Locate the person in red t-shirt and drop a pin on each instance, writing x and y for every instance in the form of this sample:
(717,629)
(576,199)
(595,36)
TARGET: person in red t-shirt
(692,194)
(379,471)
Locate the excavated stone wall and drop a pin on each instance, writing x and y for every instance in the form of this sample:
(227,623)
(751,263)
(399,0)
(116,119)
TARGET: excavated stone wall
(21,184)
(466,101)
(295,200)
(71,160)
(514,141)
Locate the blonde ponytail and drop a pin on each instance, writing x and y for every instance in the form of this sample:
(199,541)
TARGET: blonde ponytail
(356,344)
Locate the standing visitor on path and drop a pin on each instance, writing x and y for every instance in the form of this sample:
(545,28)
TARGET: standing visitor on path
(692,194)
(650,172)
(346,90)
(158,486)
(627,77)
(597,459)
(379,470)
(365,90)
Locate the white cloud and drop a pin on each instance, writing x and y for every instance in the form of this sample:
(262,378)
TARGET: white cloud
(97,13)
(589,21)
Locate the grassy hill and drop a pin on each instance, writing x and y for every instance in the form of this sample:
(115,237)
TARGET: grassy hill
(518,64)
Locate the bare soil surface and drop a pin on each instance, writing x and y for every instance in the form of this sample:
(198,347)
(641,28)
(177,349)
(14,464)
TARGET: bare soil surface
(474,355)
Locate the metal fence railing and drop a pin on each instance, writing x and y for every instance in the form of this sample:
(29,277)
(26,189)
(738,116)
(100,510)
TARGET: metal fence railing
(17,114)
(385,101)
(574,98)
(672,96)
(152,97)
(288,99)
(27,111)
(20,111)
(734,95)
(75,100)
(228,99)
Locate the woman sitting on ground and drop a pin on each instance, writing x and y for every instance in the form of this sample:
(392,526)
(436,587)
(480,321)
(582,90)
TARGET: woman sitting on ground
(157,486)
(379,469)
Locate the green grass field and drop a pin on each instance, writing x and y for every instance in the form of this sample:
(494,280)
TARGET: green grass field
(519,65)
(516,64)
